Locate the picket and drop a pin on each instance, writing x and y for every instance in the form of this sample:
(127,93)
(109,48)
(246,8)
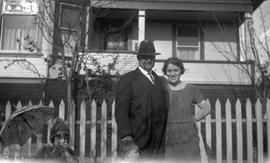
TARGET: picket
(27,146)
(268,125)
(93,131)
(72,124)
(62,110)
(218,132)
(249,132)
(103,131)
(17,151)
(114,133)
(208,129)
(228,113)
(239,131)
(219,121)
(259,131)
(82,130)
(7,115)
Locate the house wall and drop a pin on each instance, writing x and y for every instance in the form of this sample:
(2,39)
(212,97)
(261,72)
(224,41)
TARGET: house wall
(220,42)
(161,33)
(211,73)
(28,67)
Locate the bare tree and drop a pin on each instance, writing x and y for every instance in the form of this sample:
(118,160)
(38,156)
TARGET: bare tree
(75,50)
(253,49)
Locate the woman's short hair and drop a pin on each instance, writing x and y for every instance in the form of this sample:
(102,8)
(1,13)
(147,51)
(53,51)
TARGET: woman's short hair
(174,61)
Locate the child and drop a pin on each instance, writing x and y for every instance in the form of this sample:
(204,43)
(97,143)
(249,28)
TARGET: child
(128,151)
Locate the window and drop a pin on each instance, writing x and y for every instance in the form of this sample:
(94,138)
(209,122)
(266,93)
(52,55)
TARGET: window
(115,35)
(69,26)
(18,25)
(188,42)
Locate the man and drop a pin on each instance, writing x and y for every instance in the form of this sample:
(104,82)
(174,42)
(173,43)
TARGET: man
(141,106)
(59,138)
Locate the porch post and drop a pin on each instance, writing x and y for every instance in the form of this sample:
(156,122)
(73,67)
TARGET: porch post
(248,36)
(141,26)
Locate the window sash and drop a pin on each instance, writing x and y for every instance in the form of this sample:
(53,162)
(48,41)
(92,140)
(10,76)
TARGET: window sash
(69,17)
(19,33)
(188,42)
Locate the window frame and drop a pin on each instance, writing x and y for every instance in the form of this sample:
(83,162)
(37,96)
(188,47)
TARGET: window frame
(63,30)
(60,16)
(5,15)
(107,22)
(199,46)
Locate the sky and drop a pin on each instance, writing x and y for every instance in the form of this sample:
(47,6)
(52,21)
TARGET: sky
(262,12)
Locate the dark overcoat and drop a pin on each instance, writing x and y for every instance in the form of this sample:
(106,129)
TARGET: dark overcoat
(141,110)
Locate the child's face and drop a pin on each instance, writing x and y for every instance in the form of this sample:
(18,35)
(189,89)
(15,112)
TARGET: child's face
(132,155)
(61,140)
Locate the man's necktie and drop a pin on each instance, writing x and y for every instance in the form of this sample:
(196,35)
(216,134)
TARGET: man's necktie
(151,77)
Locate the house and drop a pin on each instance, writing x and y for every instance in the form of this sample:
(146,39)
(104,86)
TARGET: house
(203,33)
(22,52)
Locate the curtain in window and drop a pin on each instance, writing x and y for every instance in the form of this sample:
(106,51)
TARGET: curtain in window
(187,53)
(18,33)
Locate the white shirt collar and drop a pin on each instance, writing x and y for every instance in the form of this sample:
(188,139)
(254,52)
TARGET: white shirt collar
(143,71)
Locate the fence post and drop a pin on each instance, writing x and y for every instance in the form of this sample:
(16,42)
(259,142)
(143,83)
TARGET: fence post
(93,131)
(72,124)
(62,109)
(114,132)
(208,129)
(218,132)
(259,131)
(7,115)
(28,144)
(268,125)
(239,131)
(17,151)
(104,109)
(249,132)
(228,111)
(82,131)
(49,123)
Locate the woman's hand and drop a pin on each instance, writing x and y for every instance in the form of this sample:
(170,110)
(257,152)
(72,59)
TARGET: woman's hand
(204,110)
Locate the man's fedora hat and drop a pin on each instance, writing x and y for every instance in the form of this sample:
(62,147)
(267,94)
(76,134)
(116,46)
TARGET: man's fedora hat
(147,48)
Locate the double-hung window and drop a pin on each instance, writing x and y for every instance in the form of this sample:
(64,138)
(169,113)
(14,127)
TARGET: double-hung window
(69,23)
(188,42)
(18,25)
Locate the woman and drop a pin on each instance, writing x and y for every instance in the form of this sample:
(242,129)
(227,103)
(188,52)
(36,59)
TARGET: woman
(182,141)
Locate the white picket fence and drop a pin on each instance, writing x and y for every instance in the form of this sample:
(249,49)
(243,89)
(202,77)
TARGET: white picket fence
(253,151)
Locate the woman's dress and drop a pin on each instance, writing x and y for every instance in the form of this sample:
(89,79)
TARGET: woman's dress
(182,141)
